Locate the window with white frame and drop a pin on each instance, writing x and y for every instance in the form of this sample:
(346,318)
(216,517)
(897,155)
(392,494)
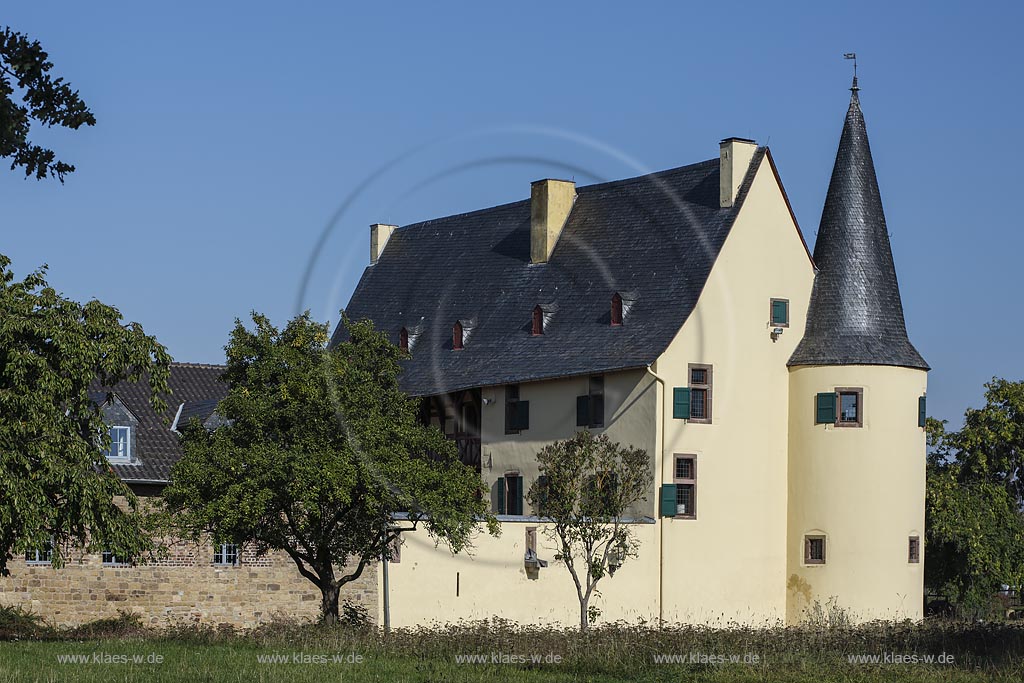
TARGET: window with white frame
(112,560)
(43,555)
(120,444)
(225,554)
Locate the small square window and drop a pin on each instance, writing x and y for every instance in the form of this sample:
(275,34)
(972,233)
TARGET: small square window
(225,554)
(42,555)
(780,312)
(814,550)
(914,549)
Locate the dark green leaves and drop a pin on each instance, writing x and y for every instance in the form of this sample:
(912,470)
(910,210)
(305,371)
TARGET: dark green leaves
(28,93)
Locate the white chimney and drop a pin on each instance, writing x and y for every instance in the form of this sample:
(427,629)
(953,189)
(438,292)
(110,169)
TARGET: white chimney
(380,233)
(734,160)
(550,204)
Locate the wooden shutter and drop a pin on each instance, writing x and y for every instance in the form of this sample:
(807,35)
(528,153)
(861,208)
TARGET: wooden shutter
(582,411)
(521,415)
(499,486)
(681,403)
(922,411)
(780,312)
(826,408)
(668,500)
(515,494)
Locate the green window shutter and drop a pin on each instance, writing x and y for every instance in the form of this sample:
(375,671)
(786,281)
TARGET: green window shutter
(522,416)
(499,486)
(780,312)
(922,411)
(681,403)
(515,495)
(668,500)
(582,411)
(826,408)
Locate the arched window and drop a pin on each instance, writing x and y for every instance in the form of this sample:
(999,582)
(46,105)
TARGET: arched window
(403,339)
(538,321)
(616,310)
(457,336)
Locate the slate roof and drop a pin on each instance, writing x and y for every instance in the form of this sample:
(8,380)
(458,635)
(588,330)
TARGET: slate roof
(653,239)
(855,315)
(198,386)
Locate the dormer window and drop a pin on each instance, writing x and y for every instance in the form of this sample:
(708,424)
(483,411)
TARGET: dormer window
(403,339)
(538,321)
(616,310)
(120,444)
(457,336)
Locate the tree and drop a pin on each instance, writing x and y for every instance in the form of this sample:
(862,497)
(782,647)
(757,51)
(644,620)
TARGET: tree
(974,528)
(56,485)
(587,484)
(319,454)
(29,93)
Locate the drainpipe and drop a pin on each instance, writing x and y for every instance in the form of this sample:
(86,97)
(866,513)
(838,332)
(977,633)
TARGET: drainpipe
(660,447)
(387,596)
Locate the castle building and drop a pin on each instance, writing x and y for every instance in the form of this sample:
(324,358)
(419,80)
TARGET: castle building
(777,394)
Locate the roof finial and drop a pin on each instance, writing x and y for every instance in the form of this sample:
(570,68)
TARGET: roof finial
(853,55)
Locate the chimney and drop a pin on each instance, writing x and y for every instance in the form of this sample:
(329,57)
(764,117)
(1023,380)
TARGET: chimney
(550,204)
(734,159)
(380,233)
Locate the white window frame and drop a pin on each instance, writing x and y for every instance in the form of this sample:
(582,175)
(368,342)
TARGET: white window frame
(43,556)
(114,560)
(220,551)
(127,457)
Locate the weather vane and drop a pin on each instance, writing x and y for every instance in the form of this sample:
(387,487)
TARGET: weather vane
(853,56)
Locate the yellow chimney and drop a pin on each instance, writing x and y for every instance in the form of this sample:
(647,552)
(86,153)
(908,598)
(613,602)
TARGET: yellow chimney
(550,204)
(380,233)
(734,159)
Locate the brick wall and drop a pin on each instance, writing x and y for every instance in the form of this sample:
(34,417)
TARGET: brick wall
(184,586)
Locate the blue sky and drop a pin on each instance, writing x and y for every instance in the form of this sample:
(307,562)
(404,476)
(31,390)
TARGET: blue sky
(230,134)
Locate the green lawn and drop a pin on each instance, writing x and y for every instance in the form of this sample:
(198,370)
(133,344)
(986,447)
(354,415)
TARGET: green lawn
(122,650)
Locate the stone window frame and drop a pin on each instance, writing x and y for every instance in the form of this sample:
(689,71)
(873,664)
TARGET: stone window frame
(683,481)
(707,388)
(809,559)
(859,392)
(914,549)
(771,312)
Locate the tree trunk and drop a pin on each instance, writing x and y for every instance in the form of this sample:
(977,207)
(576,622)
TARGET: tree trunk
(584,621)
(329,603)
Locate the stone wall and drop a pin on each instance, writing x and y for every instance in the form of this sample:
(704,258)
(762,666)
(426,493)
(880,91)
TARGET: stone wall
(183,587)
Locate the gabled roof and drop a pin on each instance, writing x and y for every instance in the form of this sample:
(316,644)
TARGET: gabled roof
(654,237)
(856,314)
(156,447)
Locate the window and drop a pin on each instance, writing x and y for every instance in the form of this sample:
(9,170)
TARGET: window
(700,393)
(510,494)
(814,550)
(538,321)
(616,310)
(120,444)
(914,549)
(780,312)
(685,478)
(850,408)
(590,408)
(43,555)
(112,560)
(225,554)
(403,339)
(457,338)
(517,413)
(843,407)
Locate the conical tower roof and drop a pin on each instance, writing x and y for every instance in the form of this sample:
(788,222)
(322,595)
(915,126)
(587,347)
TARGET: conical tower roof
(856,315)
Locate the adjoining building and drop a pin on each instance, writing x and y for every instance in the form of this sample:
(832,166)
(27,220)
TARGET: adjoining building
(778,396)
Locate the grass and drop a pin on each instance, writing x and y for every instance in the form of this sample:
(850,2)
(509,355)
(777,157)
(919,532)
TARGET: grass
(980,652)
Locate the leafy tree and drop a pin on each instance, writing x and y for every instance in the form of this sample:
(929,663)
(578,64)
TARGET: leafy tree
(974,528)
(319,452)
(55,483)
(29,93)
(587,484)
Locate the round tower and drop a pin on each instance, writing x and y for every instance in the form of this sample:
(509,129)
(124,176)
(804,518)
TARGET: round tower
(856,412)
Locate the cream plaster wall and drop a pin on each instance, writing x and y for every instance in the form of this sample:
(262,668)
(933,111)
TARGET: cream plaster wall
(729,563)
(863,488)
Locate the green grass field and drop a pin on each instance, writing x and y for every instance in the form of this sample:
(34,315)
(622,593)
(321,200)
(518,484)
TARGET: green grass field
(121,650)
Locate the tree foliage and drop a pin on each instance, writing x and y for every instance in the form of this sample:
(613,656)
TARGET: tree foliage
(321,456)
(974,526)
(29,93)
(587,485)
(55,482)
